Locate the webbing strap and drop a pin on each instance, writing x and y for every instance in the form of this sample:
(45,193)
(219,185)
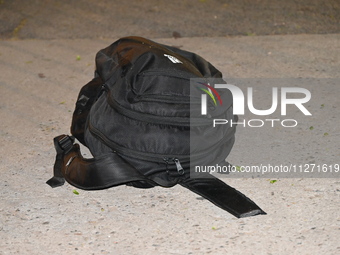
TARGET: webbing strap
(90,174)
(223,196)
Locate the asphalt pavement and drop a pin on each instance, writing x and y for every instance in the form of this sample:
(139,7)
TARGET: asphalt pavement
(44,67)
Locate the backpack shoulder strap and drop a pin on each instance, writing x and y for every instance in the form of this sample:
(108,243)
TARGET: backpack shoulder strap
(90,174)
(223,196)
(86,98)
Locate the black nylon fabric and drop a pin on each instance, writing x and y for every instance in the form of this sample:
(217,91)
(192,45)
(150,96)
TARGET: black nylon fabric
(143,112)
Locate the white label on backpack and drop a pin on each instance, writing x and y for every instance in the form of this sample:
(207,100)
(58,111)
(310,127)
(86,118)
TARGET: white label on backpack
(173,59)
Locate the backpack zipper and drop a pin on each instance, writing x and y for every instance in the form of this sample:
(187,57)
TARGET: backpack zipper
(154,157)
(179,98)
(170,99)
(178,160)
(156,119)
(180,169)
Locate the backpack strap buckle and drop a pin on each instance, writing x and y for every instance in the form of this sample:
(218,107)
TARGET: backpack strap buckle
(63,143)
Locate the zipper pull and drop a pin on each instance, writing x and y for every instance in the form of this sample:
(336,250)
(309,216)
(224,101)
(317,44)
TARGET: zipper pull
(105,87)
(180,169)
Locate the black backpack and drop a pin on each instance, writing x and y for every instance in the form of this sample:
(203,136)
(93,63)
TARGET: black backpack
(137,117)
